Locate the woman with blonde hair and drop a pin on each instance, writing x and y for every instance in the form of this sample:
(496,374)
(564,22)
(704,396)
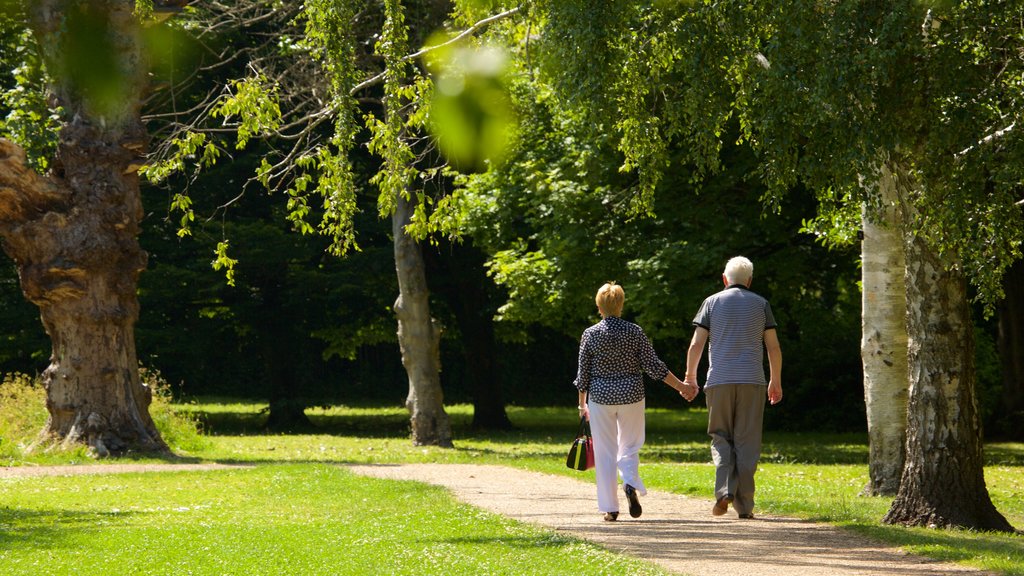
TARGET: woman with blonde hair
(614,356)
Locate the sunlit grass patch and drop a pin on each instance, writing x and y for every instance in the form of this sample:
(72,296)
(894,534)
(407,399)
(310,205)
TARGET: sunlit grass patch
(284,519)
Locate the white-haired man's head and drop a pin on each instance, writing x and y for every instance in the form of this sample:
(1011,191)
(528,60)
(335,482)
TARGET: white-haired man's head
(738,270)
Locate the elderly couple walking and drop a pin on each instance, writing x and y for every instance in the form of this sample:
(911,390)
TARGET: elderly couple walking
(738,327)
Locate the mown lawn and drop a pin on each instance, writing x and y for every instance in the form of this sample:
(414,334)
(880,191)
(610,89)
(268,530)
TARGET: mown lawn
(311,513)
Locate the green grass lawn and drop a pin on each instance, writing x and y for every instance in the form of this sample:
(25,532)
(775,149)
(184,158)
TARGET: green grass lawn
(276,519)
(309,515)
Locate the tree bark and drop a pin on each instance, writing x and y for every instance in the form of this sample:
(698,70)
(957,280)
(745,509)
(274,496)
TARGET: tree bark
(884,338)
(943,483)
(73,235)
(1011,352)
(419,336)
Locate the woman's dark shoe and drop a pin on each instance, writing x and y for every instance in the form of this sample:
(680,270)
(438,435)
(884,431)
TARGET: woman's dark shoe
(611,516)
(634,502)
(747,516)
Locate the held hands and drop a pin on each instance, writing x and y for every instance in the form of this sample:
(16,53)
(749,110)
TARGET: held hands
(689,389)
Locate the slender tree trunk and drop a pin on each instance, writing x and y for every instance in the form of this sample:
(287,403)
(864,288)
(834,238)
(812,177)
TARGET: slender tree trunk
(943,481)
(884,338)
(419,336)
(74,235)
(1011,351)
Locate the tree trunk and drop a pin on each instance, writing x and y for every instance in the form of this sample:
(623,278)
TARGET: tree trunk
(419,337)
(1011,351)
(280,350)
(943,483)
(884,338)
(462,281)
(74,234)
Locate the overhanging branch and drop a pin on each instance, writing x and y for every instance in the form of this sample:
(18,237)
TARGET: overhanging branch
(467,32)
(987,140)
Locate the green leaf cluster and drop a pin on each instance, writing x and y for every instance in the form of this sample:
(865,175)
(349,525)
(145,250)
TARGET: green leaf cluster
(27,117)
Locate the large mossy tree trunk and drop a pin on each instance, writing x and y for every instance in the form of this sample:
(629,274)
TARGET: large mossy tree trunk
(884,337)
(73,233)
(943,482)
(419,336)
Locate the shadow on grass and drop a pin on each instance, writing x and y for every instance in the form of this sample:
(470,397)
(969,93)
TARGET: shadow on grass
(49,529)
(673,435)
(948,545)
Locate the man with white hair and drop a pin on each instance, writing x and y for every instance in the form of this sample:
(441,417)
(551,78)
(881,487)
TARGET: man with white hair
(738,326)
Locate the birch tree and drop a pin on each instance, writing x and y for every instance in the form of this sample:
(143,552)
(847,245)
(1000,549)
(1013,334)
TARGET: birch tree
(821,92)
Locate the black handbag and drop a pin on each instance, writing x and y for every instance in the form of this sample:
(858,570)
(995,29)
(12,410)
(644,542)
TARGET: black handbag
(581,453)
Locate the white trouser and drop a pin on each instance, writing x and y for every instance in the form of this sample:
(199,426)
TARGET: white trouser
(618,432)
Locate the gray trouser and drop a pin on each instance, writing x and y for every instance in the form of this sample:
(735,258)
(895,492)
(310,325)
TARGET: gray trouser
(735,415)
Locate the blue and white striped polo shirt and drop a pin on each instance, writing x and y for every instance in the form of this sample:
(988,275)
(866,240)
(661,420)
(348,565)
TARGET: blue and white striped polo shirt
(735,319)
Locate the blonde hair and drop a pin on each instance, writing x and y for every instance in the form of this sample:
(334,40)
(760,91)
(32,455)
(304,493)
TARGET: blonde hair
(610,299)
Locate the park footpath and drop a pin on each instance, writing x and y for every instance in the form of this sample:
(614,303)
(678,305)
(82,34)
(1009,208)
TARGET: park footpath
(676,532)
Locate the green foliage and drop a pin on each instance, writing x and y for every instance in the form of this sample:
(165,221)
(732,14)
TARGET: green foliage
(28,119)
(470,113)
(388,141)
(253,104)
(188,145)
(330,39)
(823,93)
(224,262)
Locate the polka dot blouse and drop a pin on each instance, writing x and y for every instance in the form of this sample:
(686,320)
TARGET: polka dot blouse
(614,355)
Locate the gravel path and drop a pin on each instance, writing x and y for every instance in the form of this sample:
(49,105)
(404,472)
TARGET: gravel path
(676,532)
(25,471)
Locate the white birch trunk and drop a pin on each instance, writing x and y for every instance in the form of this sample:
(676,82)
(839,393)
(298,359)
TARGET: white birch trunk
(884,337)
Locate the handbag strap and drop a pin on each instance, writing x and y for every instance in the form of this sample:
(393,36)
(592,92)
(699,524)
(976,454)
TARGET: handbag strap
(584,428)
(584,424)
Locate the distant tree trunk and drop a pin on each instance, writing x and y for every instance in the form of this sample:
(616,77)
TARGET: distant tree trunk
(74,233)
(884,338)
(419,337)
(463,283)
(480,354)
(279,345)
(1011,351)
(943,481)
